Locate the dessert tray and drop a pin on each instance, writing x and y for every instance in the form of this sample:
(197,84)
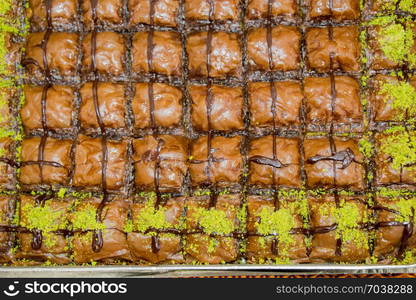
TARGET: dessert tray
(186,137)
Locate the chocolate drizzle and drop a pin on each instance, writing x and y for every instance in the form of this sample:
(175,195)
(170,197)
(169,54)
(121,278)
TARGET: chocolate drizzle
(345,157)
(208,103)
(37,234)
(345,161)
(155,131)
(262,160)
(97,239)
(342,159)
(275,163)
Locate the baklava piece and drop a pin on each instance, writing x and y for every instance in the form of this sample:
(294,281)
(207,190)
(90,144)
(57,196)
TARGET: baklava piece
(61,54)
(341,45)
(390,6)
(6,160)
(12,57)
(108,12)
(221,164)
(167,105)
(44,217)
(395,156)
(258,9)
(339,10)
(224,59)
(110,106)
(282,54)
(222,10)
(90,161)
(165,12)
(275,231)
(160,160)
(63,13)
(339,229)
(165,57)
(102,238)
(7,96)
(394,232)
(391,46)
(338,167)
(155,231)
(59,103)
(391,99)
(287,104)
(281,168)
(213,240)
(45,161)
(323,107)
(110,51)
(223,109)
(6,214)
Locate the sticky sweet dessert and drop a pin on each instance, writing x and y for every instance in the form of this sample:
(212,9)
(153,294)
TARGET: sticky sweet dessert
(154,132)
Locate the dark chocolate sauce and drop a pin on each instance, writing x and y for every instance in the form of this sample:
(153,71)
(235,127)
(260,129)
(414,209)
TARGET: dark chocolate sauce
(345,157)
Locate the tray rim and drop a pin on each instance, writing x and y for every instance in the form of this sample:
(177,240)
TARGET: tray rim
(197,270)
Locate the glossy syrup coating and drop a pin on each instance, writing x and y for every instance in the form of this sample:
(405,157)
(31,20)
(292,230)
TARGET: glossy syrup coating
(258,9)
(225,165)
(324,168)
(208,132)
(52,168)
(63,12)
(111,104)
(167,107)
(61,54)
(288,102)
(166,53)
(59,107)
(225,55)
(109,56)
(319,100)
(115,246)
(165,12)
(344,46)
(160,161)
(285,162)
(226,108)
(88,163)
(338,10)
(223,10)
(169,248)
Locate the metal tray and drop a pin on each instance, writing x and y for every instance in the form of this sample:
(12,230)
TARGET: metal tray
(203,270)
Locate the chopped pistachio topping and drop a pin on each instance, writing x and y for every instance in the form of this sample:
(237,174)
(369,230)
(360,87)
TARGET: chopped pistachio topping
(409,258)
(5,6)
(366,147)
(150,217)
(85,219)
(279,222)
(61,193)
(347,217)
(242,216)
(46,219)
(406,209)
(396,42)
(408,6)
(212,245)
(129,226)
(400,145)
(402,96)
(393,193)
(148,195)
(214,221)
